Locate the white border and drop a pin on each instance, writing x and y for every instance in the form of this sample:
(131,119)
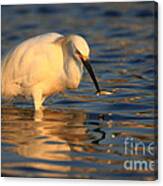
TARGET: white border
(74,182)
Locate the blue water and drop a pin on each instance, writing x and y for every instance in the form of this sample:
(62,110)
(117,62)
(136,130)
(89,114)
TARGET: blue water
(82,135)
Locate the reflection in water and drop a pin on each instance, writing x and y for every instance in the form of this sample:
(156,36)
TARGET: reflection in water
(52,140)
(48,140)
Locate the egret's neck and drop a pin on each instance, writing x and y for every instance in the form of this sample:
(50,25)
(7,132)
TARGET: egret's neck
(74,71)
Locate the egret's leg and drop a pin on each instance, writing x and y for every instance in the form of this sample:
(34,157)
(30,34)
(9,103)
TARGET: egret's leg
(42,101)
(37,98)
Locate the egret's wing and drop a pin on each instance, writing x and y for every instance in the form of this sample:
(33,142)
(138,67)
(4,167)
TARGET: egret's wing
(30,62)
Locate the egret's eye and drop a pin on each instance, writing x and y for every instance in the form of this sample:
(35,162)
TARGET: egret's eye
(83,58)
(79,54)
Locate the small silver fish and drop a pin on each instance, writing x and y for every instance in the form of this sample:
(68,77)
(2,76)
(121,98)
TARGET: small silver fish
(103,92)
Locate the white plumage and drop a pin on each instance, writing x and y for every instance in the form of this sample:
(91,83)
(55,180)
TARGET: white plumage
(45,65)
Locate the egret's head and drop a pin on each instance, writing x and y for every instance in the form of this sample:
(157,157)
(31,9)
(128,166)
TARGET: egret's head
(78,49)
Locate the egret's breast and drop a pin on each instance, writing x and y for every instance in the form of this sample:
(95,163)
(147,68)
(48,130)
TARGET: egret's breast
(51,87)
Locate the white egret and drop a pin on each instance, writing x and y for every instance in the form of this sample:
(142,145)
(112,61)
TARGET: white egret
(45,65)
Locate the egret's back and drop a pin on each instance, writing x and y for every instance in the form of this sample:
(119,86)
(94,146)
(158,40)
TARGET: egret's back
(15,70)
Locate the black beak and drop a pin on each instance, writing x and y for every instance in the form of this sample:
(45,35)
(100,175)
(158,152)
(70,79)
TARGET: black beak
(90,71)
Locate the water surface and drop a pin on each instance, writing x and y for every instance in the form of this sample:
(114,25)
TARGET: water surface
(81,135)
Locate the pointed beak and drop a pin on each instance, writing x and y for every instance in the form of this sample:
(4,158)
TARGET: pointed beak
(90,71)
